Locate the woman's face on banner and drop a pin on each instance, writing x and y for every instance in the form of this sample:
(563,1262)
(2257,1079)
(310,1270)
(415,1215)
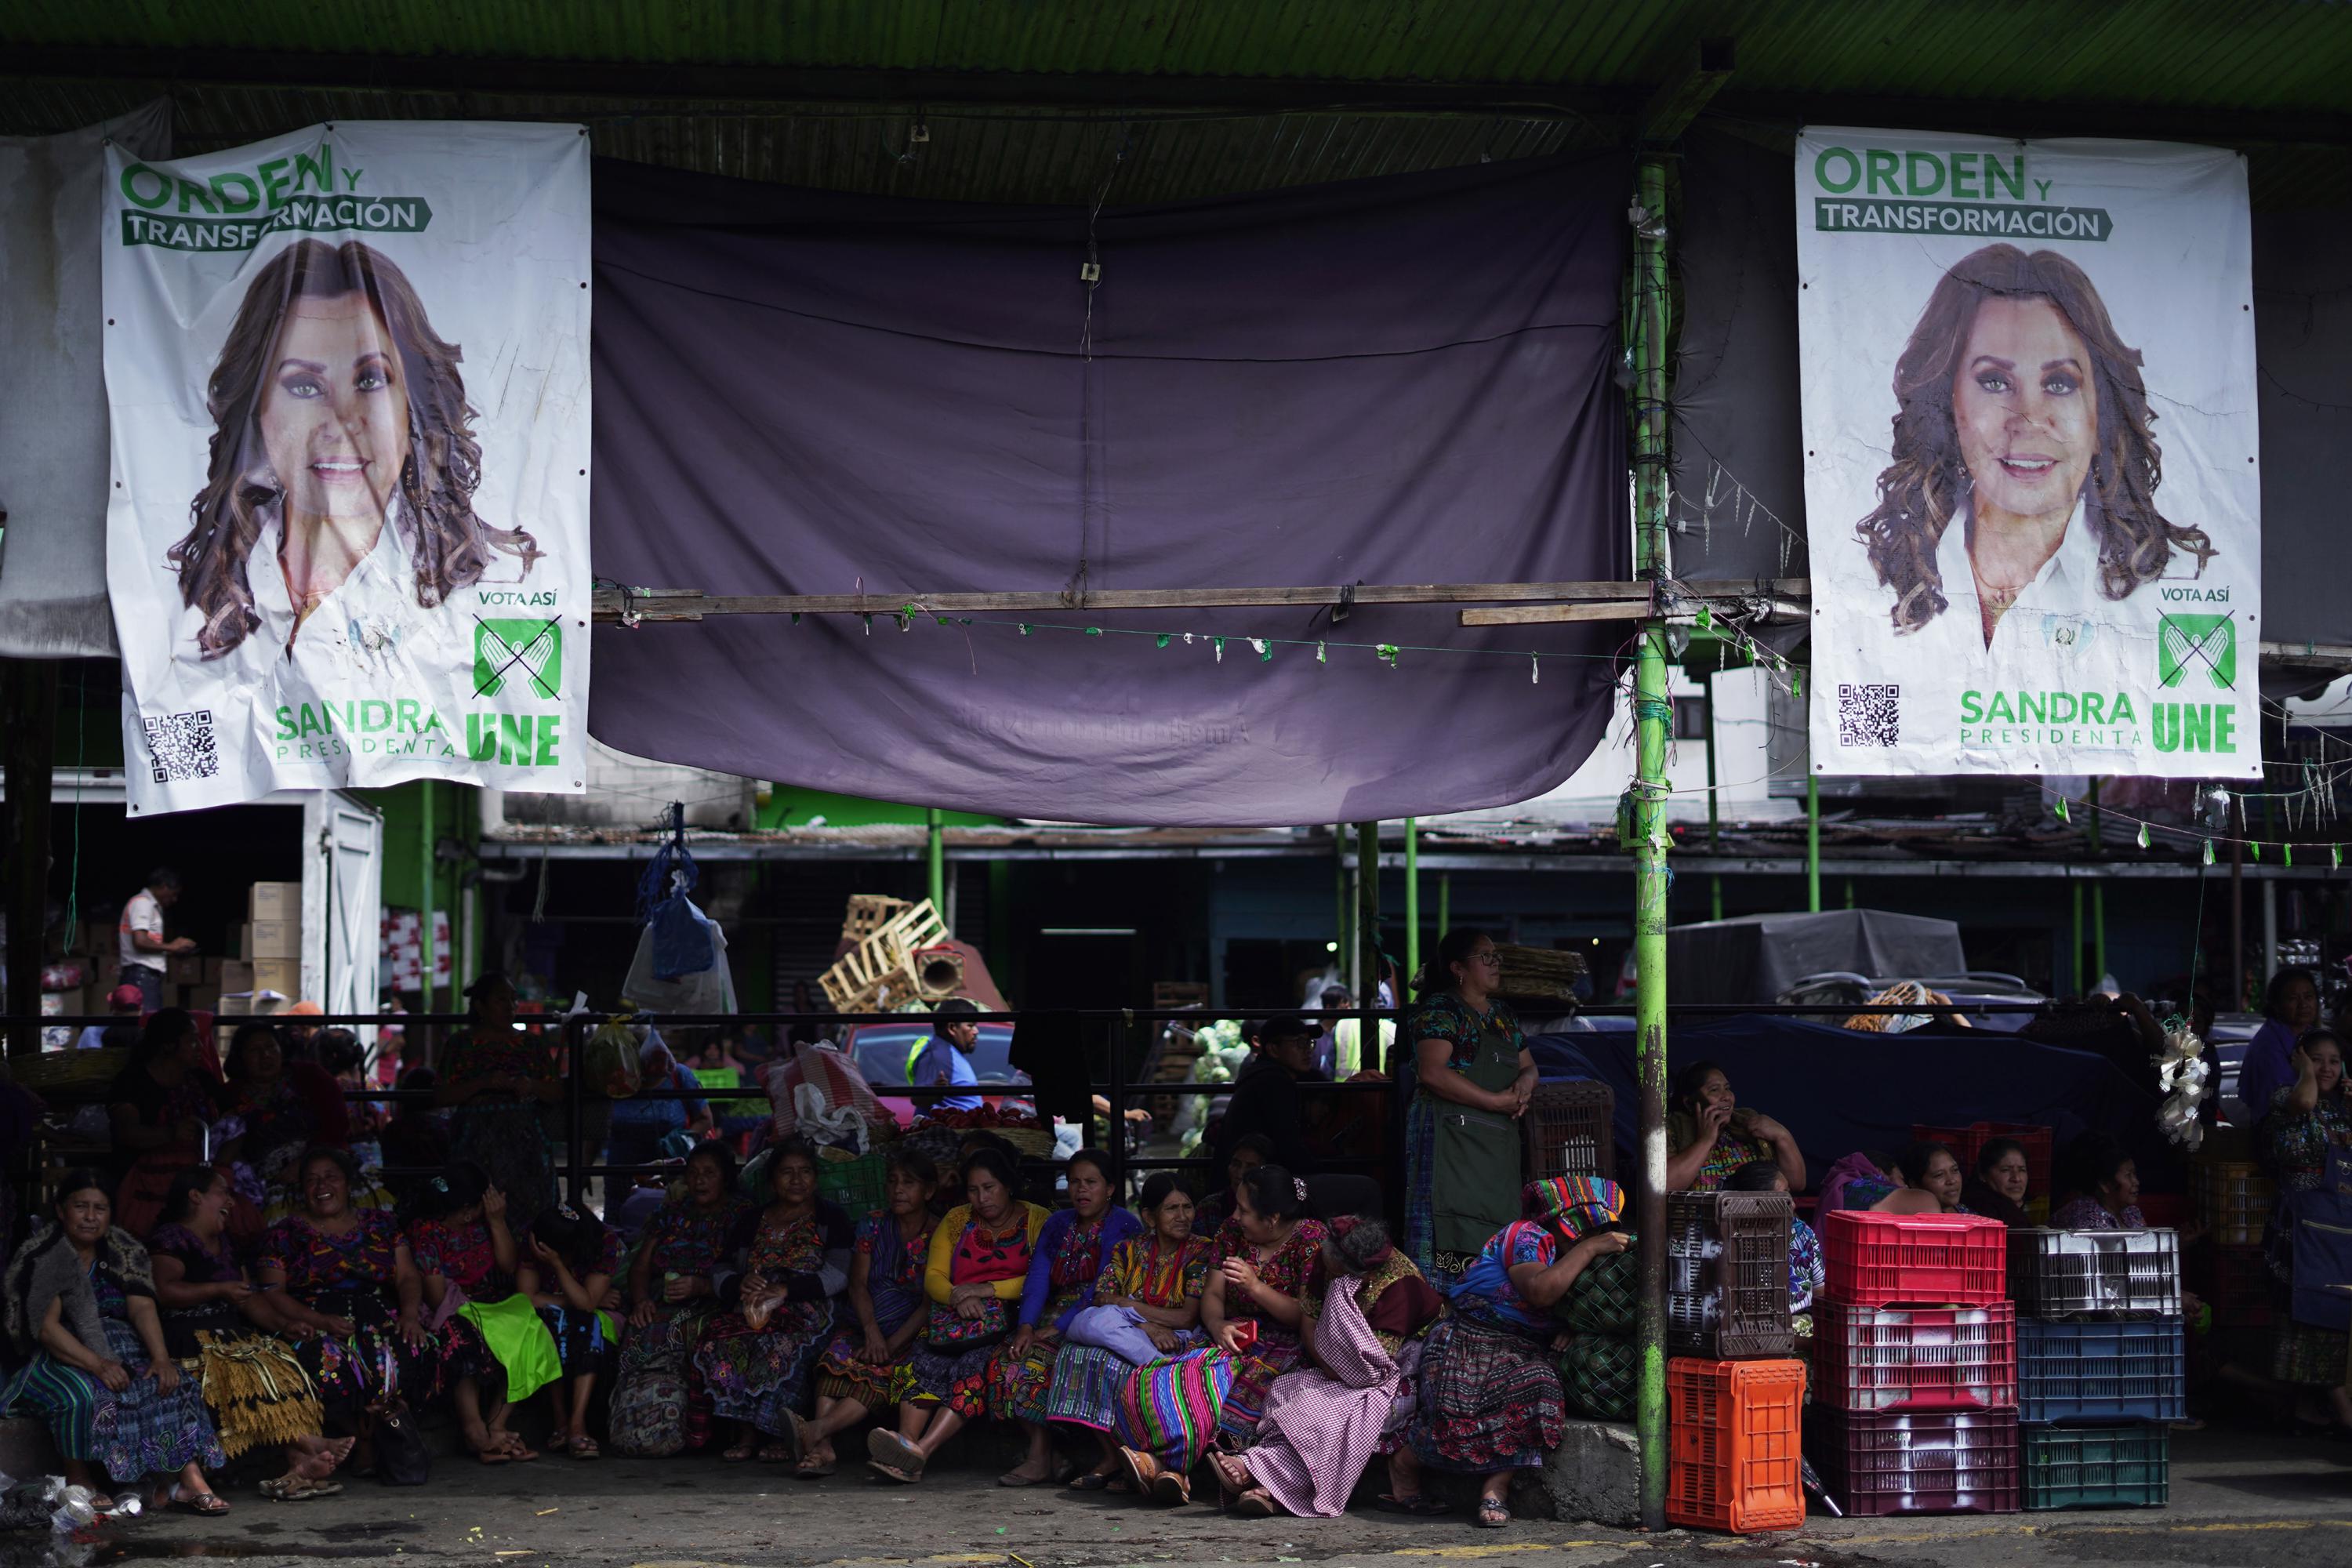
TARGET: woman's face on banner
(2025,408)
(334,415)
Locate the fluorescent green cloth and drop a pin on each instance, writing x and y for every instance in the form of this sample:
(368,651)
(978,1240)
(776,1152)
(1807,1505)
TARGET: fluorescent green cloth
(521,1342)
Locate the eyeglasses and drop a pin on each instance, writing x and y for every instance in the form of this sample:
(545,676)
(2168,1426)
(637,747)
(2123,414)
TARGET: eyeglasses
(1487,956)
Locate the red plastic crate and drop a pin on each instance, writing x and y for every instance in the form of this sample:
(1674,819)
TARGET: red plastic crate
(1928,1358)
(1967,1142)
(1920,1259)
(1961,1462)
(1735,1442)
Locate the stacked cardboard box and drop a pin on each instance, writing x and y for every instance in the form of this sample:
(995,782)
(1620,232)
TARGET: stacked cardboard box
(268,946)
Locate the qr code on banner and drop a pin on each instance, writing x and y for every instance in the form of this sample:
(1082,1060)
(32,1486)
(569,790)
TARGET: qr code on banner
(183,746)
(1870,715)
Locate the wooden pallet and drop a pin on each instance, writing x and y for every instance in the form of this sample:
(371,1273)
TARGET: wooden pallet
(880,970)
(869,912)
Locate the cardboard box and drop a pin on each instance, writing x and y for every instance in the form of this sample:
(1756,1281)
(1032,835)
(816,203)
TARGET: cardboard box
(283,975)
(236,976)
(185,968)
(274,902)
(236,1006)
(213,972)
(102,938)
(272,938)
(200,998)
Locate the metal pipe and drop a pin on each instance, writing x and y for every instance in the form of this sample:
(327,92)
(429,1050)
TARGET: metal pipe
(1411,899)
(1339,940)
(2270,930)
(2237,991)
(1444,902)
(2074,952)
(2099,932)
(1652,716)
(1368,950)
(425,896)
(936,843)
(1813,843)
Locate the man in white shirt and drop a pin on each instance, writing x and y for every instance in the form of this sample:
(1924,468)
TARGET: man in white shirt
(140,936)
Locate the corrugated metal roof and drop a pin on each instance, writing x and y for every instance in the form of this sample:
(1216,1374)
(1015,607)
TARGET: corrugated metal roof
(1032,101)
(2252,54)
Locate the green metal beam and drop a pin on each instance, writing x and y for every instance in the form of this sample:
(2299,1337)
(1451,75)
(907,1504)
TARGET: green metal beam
(935,845)
(1411,901)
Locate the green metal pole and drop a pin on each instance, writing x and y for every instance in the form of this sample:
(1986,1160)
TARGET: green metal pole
(2098,932)
(1411,899)
(424,898)
(2074,952)
(1849,892)
(1340,924)
(1715,897)
(936,846)
(1714,815)
(1812,844)
(1444,902)
(1368,938)
(1653,715)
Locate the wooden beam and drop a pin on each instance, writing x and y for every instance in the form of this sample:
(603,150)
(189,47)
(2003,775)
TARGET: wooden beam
(693,604)
(1555,614)
(1679,98)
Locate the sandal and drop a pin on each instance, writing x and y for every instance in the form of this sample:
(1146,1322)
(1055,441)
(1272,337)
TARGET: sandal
(1138,1471)
(1013,1477)
(1170,1489)
(812,1469)
(584,1446)
(777,1453)
(739,1454)
(304,1489)
(1418,1504)
(1255,1503)
(1493,1513)
(1091,1482)
(197,1504)
(794,1437)
(893,1453)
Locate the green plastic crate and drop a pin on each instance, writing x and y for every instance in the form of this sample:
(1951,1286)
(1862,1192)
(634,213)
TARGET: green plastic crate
(858,1186)
(2097,1467)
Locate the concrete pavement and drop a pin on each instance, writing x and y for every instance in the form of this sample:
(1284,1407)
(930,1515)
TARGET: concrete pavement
(2240,1497)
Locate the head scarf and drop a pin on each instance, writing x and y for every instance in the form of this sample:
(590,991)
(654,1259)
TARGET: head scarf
(1577,1205)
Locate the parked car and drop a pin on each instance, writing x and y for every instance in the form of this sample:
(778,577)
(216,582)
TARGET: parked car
(880,1051)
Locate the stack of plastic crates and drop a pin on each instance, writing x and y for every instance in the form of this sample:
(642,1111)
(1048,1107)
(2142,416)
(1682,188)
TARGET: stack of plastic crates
(1914,1354)
(1967,1142)
(1735,1394)
(2232,1201)
(1734,1447)
(2100,1363)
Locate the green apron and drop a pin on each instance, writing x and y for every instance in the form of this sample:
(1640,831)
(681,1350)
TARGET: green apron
(1474,1188)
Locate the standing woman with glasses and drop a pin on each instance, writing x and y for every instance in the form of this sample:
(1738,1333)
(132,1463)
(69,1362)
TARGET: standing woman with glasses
(1473,1077)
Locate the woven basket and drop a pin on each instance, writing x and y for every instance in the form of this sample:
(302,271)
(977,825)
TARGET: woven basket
(1599,1372)
(1606,1297)
(1033,1142)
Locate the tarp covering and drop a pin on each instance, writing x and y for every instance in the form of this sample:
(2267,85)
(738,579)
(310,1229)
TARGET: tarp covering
(1391,381)
(53,428)
(1754,958)
(1840,1091)
(1739,454)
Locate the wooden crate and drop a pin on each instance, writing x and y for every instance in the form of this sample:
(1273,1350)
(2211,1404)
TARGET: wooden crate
(869,912)
(881,972)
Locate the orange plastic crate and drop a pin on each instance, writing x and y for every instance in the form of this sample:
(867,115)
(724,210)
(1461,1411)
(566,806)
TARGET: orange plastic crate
(1734,1444)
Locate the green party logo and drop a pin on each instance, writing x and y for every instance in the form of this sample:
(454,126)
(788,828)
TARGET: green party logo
(2187,643)
(504,647)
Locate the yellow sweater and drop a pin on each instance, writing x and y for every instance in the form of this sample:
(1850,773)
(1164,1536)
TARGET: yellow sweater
(937,1282)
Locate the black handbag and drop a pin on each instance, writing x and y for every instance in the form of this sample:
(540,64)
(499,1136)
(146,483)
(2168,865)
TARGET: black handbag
(402,1458)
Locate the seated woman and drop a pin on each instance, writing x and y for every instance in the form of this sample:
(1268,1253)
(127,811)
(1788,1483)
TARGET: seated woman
(1709,1134)
(577,1258)
(1998,1189)
(753,1362)
(977,1267)
(260,1387)
(1807,1276)
(1253,1309)
(1146,1305)
(475,1276)
(2105,1180)
(1323,1423)
(1924,1179)
(867,1367)
(1250,1150)
(685,1259)
(346,1275)
(278,1121)
(160,1105)
(1069,1258)
(1490,1396)
(81,1313)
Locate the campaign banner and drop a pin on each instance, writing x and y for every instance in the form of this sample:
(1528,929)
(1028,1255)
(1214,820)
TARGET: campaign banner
(2030,456)
(347,532)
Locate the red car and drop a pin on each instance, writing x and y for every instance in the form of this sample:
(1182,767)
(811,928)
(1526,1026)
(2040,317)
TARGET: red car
(880,1051)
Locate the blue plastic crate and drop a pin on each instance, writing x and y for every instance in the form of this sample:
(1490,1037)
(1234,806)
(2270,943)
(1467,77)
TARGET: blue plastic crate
(2130,1370)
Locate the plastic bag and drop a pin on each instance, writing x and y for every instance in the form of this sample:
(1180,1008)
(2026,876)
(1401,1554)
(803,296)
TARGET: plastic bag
(822,1121)
(711,990)
(681,939)
(810,1065)
(609,1063)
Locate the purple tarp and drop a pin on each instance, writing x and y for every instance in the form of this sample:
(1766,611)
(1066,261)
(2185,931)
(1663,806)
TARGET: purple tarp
(1402,380)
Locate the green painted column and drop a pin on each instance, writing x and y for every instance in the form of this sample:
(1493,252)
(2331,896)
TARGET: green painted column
(1812,844)
(935,849)
(2098,932)
(1411,901)
(425,896)
(2074,952)
(1653,723)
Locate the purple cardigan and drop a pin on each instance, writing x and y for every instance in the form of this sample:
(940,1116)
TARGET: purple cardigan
(1118,1223)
